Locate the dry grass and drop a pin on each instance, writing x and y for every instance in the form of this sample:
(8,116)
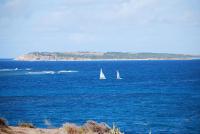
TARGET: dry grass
(100,128)
(26,125)
(90,127)
(70,128)
(115,130)
(6,130)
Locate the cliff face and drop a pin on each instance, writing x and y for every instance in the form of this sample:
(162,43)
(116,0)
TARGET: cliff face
(28,57)
(67,56)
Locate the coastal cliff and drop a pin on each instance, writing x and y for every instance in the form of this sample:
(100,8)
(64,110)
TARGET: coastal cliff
(71,56)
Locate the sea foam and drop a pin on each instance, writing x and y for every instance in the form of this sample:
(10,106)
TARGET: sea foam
(41,72)
(51,72)
(8,69)
(28,69)
(13,69)
(67,71)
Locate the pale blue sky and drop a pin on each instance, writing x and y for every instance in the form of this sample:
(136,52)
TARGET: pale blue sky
(171,26)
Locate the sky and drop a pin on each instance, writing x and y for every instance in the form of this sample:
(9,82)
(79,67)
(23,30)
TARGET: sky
(164,26)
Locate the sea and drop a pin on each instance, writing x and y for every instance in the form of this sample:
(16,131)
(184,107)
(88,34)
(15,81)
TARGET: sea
(161,96)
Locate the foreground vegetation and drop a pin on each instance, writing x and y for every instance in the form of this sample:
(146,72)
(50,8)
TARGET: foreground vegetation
(90,127)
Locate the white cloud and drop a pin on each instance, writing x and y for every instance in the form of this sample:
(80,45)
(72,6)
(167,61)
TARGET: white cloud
(80,38)
(134,11)
(13,8)
(190,17)
(150,12)
(98,22)
(14,4)
(90,11)
(135,7)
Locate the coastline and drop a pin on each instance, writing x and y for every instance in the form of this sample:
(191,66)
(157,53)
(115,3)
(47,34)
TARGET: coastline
(102,56)
(171,59)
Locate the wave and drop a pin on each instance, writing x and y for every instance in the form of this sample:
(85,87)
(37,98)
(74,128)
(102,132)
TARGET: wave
(41,72)
(13,69)
(51,72)
(191,80)
(6,69)
(28,69)
(67,71)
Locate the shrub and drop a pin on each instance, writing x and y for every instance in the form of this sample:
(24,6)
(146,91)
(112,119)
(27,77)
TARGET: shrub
(3,122)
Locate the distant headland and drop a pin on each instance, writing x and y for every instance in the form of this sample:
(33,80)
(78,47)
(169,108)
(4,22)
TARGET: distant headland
(88,56)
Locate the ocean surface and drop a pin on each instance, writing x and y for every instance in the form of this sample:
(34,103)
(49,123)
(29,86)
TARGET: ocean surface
(163,96)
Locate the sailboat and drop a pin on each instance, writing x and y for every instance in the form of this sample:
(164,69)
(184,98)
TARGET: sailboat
(102,76)
(118,75)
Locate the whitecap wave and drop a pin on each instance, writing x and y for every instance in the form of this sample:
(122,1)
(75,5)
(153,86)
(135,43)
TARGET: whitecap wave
(67,71)
(41,72)
(7,69)
(50,72)
(27,69)
(14,69)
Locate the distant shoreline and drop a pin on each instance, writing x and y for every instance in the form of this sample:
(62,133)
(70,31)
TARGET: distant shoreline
(102,56)
(96,60)
(109,60)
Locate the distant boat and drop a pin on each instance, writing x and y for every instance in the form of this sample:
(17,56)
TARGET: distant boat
(102,76)
(118,75)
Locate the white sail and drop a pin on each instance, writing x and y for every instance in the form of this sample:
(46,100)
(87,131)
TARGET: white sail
(102,76)
(118,75)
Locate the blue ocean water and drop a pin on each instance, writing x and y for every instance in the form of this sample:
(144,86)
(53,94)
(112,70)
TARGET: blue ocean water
(163,96)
